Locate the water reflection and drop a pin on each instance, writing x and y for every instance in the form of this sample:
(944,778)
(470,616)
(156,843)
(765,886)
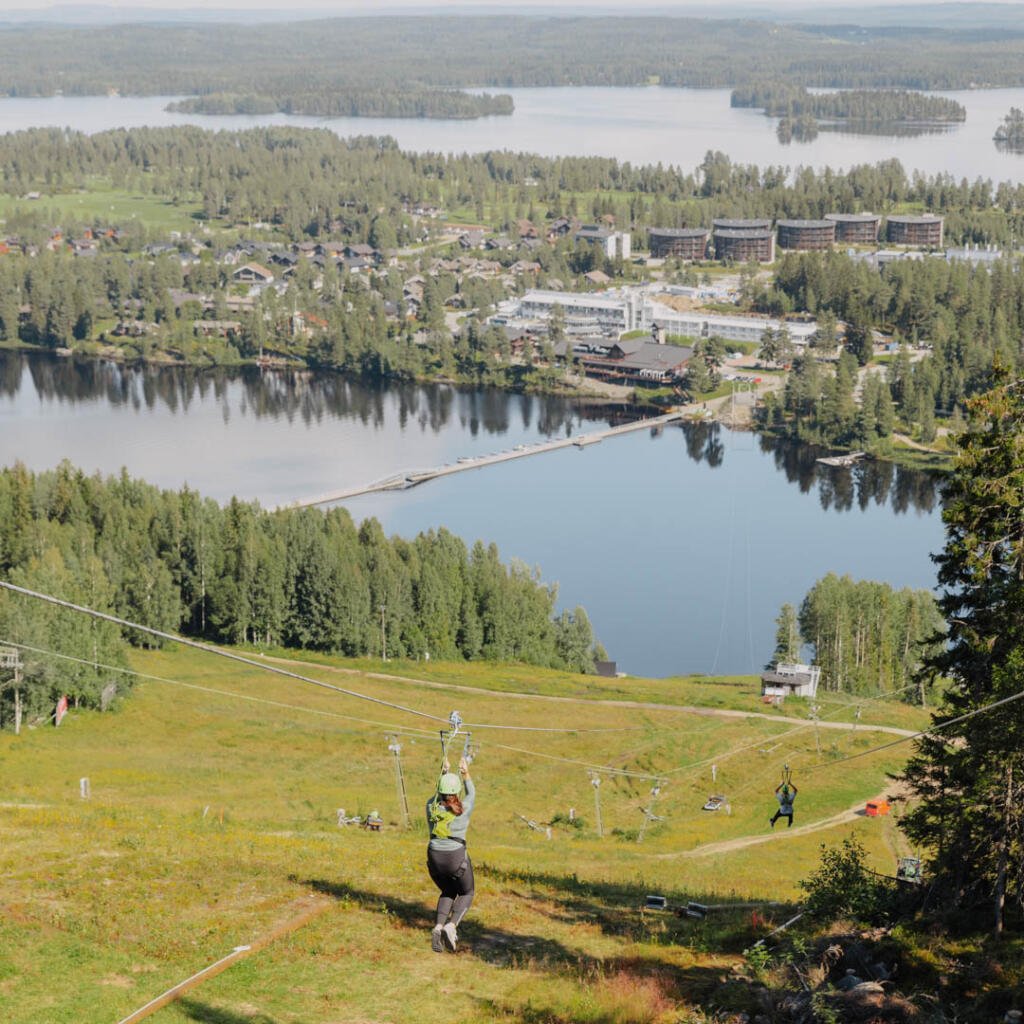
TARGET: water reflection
(293,396)
(388,411)
(871,482)
(839,489)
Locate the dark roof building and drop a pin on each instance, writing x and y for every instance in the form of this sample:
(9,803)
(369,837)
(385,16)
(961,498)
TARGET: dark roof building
(856,228)
(639,361)
(924,230)
(730,224)
(807,235)
(686,243)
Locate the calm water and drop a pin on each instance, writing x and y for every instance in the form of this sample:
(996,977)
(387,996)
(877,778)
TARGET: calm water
(642,125)
(681,545)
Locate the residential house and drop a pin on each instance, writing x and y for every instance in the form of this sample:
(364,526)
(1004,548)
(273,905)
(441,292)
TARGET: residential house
(252,273)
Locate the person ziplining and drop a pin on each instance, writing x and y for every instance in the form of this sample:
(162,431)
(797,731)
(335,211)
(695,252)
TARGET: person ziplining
(451,870)
(785,793)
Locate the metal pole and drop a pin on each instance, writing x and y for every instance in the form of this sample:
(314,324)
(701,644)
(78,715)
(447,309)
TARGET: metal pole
(648,814)
(383,635)
(17,694)
(403,800)
(595,781)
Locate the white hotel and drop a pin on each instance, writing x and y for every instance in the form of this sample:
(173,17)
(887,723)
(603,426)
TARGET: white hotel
(627,309)
(695,324)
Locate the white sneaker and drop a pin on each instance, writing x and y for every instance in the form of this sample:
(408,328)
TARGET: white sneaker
(435,940)
(451,936)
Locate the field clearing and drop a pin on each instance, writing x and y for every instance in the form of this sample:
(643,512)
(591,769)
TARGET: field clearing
(111,207)
(213,819)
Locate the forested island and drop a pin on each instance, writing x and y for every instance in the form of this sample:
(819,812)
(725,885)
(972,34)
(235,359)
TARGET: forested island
(414,53)
(1010,134)
(429,103)
(783,99)
(871,111)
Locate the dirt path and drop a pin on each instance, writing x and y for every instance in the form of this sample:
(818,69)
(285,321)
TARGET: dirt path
(916,445)
(597,701)
(775,835)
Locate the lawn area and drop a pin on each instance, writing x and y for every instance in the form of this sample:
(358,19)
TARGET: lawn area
(115,208)
(212,821)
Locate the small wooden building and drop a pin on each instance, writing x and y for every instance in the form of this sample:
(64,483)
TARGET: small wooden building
(790,680)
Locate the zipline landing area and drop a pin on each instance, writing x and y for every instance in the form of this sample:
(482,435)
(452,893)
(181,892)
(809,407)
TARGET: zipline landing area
(212,813)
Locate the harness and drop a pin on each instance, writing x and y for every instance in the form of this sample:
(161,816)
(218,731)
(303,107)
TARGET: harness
(440,821)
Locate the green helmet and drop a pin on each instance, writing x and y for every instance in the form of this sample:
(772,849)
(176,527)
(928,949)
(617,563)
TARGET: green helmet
(449,784)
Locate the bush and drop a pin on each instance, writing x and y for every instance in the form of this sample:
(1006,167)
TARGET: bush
(842,887)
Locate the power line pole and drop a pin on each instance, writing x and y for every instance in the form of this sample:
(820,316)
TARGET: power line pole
(10,657)
(595,781)
(649,814)
(403,800)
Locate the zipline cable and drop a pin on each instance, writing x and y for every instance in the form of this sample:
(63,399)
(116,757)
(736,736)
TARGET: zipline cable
(197,645)
(918,735)
(417,733)
(399,730)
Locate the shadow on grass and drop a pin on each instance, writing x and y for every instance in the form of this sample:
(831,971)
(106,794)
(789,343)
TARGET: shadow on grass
(203,1013)
(505,948)
(615,908)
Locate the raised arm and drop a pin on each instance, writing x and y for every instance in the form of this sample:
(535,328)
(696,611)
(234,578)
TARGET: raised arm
(470,798)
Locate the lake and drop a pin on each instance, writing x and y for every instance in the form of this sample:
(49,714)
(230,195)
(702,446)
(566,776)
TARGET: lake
(682,544)
(642,125)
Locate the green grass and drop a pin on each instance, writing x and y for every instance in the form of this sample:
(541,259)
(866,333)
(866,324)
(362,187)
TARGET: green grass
(108,206)
(212,815)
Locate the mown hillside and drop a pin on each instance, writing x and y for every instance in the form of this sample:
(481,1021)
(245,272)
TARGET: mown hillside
(213,819)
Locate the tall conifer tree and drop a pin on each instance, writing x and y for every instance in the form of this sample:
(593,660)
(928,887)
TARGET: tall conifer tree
(969,777)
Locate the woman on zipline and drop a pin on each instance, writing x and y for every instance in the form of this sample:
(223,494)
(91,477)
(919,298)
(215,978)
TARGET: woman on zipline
(785,793)
(447,859)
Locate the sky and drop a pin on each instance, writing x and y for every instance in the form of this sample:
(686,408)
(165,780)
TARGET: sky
(434,6)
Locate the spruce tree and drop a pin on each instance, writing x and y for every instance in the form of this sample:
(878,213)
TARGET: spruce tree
(969,777)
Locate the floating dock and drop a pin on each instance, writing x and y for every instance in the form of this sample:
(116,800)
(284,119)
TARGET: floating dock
(842,460)
(412,478)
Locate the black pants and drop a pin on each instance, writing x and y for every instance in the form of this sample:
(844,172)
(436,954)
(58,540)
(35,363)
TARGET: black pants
(780,814)
(452,873)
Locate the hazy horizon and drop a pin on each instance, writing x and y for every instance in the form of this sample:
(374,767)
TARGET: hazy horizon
(328,7)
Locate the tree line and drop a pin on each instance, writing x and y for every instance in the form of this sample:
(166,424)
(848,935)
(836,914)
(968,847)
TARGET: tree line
(310,183)
(868,638)
(240,574)
(968,316)
(501,51)
(352,102)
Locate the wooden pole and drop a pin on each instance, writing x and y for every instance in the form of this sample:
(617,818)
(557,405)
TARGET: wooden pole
(238,953)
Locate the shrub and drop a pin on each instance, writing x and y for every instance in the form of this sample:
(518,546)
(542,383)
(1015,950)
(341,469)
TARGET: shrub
(843,887)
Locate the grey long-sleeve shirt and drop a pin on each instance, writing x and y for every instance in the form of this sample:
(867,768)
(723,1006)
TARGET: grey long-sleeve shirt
(460,824)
